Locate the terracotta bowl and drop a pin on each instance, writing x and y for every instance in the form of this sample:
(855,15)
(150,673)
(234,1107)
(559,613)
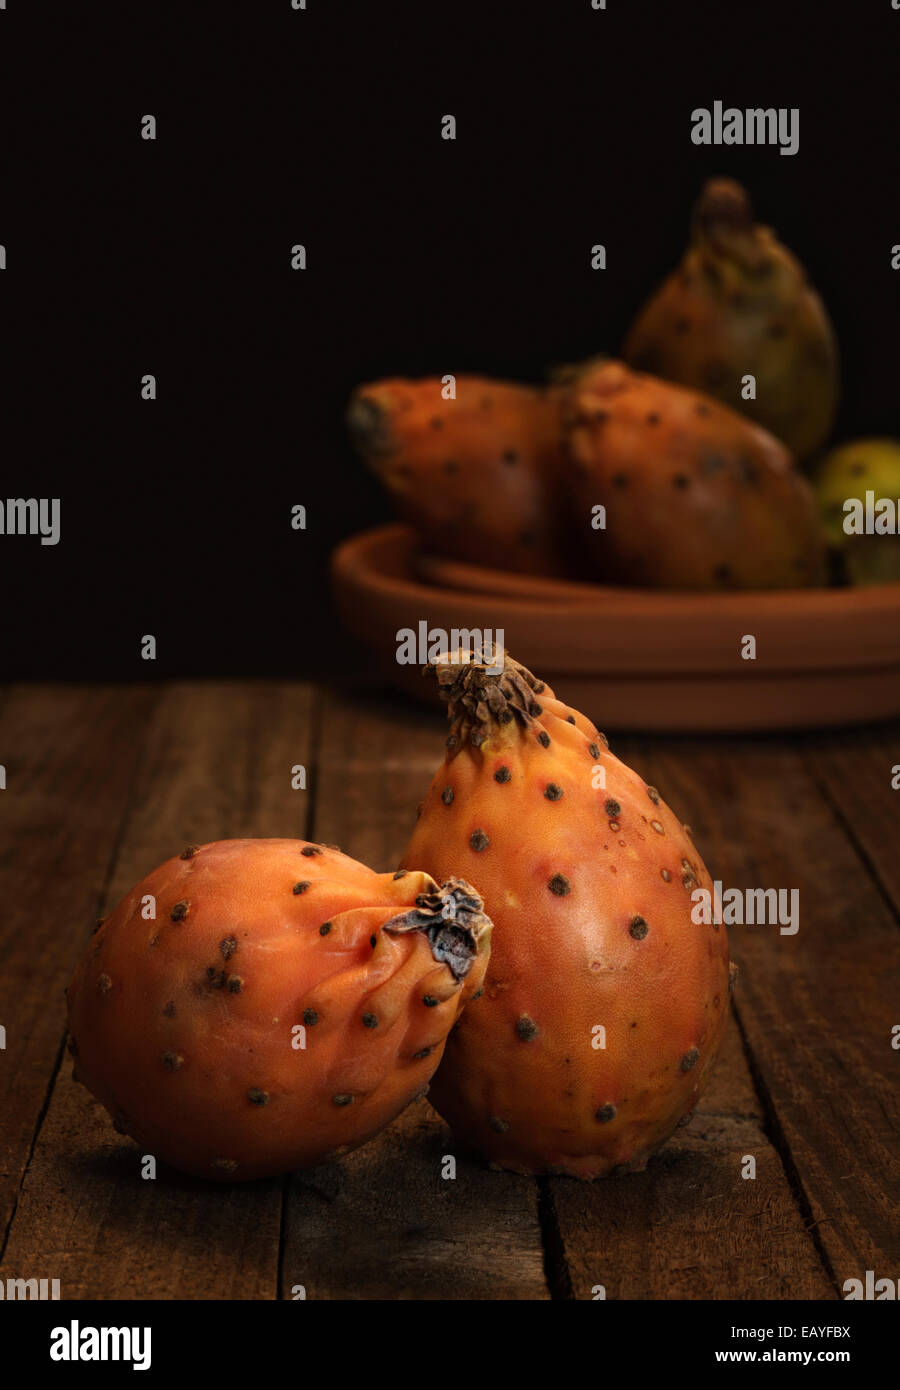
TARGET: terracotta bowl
(636,658)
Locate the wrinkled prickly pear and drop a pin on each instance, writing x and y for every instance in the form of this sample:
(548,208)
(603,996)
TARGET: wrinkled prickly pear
(589,887)
(740,303)
(697,497)
(185,1025)
(850,472)
(473,475)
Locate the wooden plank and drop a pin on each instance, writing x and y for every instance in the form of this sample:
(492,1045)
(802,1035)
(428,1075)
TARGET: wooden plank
(216,765)
(855,772)
(70,755)
(690,1226)
(817,1008)
(384,1223)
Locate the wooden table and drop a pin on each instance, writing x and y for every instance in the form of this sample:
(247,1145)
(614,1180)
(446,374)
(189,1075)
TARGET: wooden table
(105,782)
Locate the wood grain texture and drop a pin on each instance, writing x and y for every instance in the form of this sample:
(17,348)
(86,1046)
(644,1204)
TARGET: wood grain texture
(410,1217)
(691,1226)
(816,1008)
(855,772)
(70,755)
(215,764)
(385,1223)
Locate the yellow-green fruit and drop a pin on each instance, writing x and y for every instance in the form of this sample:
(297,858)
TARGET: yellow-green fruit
(847,474)
(740,304)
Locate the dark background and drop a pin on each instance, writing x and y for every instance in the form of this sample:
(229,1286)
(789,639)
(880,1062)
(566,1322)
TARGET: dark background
(424,256)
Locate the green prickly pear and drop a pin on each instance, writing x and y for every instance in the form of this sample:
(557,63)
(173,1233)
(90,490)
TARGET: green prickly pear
(740,304)
(848,474)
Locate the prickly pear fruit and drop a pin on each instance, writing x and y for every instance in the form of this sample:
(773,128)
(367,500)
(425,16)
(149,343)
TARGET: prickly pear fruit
(740,303)
(696,496)
(473,476)
(867,466)
(604,1003)
(186,1026)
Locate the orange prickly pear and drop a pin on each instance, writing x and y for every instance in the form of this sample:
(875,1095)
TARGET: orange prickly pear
(604,1003)
(474,476)
(283,1005)
(696,496)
